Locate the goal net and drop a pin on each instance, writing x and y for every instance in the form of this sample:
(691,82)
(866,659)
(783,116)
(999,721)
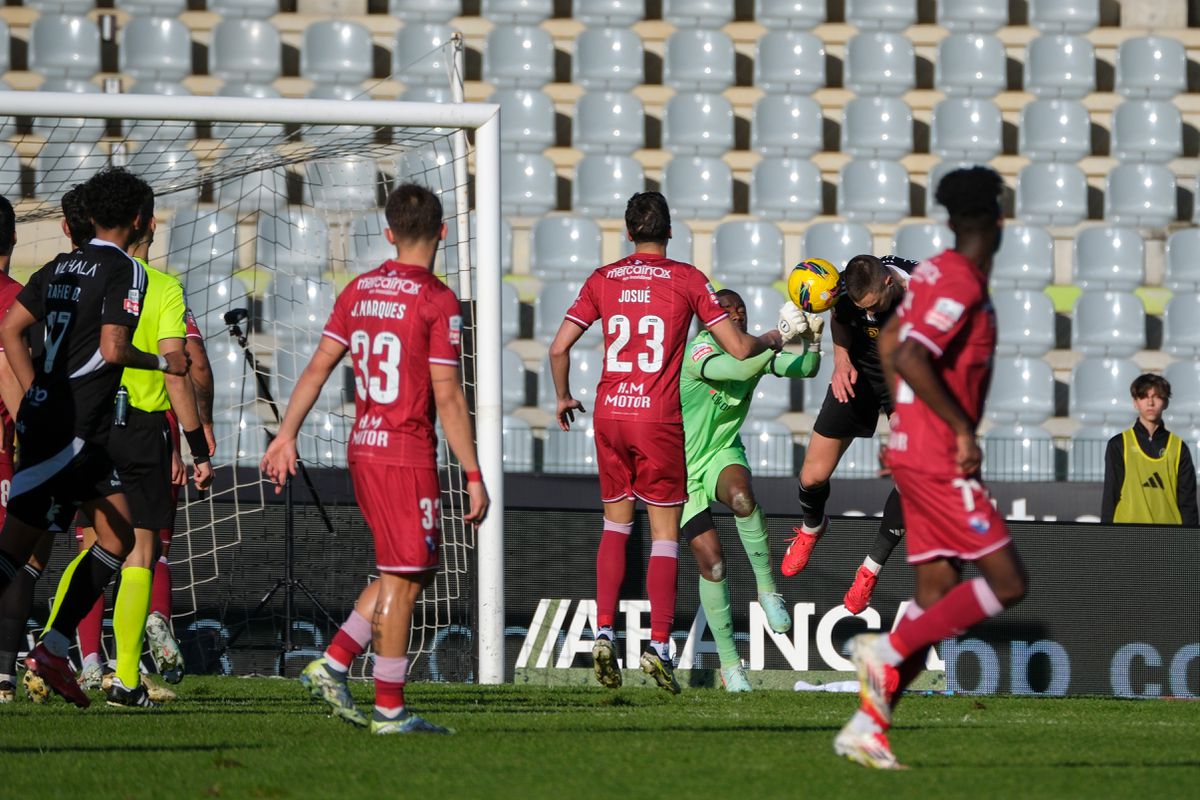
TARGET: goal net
(265,209)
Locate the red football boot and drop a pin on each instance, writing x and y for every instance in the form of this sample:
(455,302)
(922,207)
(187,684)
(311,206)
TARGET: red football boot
(57,674)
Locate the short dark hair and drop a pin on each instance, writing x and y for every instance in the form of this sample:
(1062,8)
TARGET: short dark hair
(648,218)
(1144,384)
(146,212)
(414,213)
(864,274)
(114,197)
(8,226)
(972,196)
(730,293)
(78,223)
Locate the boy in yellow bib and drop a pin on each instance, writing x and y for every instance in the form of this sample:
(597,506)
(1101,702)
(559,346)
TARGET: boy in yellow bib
(1149,478)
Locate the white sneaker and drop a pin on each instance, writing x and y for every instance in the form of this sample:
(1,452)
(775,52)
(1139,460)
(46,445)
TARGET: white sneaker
(168,660)
(867,747)
(734,679)
(877,680)
(91,676)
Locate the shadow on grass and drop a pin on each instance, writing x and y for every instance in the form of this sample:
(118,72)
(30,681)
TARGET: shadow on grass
(132,748)
(1070,764)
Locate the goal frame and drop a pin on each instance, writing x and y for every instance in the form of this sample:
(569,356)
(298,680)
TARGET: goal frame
(484,120)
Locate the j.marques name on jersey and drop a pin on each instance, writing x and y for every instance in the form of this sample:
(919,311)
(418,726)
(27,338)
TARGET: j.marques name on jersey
(76,266)
(628,395)
(381,309)
(367,432)
(63,291)
(638,269)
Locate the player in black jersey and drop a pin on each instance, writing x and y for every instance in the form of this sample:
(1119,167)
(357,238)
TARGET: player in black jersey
(88,301)
(856,395)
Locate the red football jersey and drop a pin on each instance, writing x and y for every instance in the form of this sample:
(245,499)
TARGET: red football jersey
(9,289)
(646,304)
(397,320)
(948,310)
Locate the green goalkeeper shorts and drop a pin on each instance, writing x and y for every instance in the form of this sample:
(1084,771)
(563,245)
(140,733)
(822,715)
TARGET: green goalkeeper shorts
(702,483)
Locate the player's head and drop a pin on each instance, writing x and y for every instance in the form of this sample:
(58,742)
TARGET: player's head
(76,224)
(872,285)
(733,303)
(972,198)
(1151,396)
(648,218)
(143,235)
(8,228)
(115,198)
(414,216)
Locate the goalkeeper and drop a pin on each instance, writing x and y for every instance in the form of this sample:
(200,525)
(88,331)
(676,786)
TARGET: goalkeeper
(715,391)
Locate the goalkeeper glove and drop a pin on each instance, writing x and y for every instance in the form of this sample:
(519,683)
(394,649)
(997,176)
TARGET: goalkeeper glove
(793,323)
(812,338)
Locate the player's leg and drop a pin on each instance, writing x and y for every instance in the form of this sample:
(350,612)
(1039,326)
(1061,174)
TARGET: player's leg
(736,490)
(616,492)
(891,530)
(91,627)
(130,611)
(325,678)
(701,535)
(821,457)
(661,576)
(16,603)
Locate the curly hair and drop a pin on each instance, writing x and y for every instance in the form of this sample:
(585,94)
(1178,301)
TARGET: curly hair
(648,218)
(971,195)
(78,223)
(114,197)
(8,226)
(414,213)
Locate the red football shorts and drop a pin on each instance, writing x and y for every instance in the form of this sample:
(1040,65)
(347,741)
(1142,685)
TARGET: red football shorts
(401,506)
(643,460)
(6,476)
(948,517)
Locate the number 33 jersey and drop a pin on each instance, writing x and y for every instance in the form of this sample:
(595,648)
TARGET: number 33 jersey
(645,303)
(396,320)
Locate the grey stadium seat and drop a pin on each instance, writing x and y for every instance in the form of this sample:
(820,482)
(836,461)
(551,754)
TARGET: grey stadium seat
(967,128)
(236,133)
(1022,391)
(527,12)
(982,16)
(1085,452)
(762,313)
(701,13)
(1064,16)
(1100,391)
(517,454)
(61,165)
(510,312)
(1147,130)
(695,59)
(10,172)
(164,130)
(420,55)
(342,184)
(528,184)
(5,54)
(1107,257)
(170,167)
(526,119)
(62,46)
(427,94)
(1153,67)
(877,127)
(338,133)
(1108,324)
(786,188)
(699,123)
(679,248)
(1060,66)
(586,365)
(204,239)
(366,245)
(209,296)
(861,459)
(1183,267)
(156,49)
(62,6)
(887,15)
(550,308)
(264,190)
(837,242)
(518,55)
(1024,322)
(153,8)
(791,62)
(295,241)
(1140,194)
(1018,453)
(699,186)
(769,446)
(920,241)
(1185,392)
(609,122)
(1051,194)
(873,190)
(615,13)
(571,452)
(815,388)
(431,165)
(564,247)
(439,11)
(247,50)
(747,252)
(1054,130)
(880,63)
(604,183)
(608,58)
(255,9)
(1025,259)
(336,51)
(787,125)
(940,170)
(970,64)
(796,14)
(298,308)
(1181,326)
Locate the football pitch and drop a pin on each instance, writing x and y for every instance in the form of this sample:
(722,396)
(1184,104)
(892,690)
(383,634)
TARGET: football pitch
(261,737)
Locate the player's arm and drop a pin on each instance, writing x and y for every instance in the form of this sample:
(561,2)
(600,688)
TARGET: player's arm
(10,388)
(721,367)
(1114,477)
(201,376)
(116,347)
(792,365)
(844,372)
(741,345)
(183,403)
(451,405)
(16,352)
(560,371)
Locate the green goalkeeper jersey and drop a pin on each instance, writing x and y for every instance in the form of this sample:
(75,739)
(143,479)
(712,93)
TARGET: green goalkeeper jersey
(715,391)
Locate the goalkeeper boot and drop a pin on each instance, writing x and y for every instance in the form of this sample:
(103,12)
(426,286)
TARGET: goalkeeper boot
(877,679)
(35,688)
(801,546)
(776,611)
(8,691)
(157,692)
(866,746)
(660,670)
(92,676)
(122,696)
(326,685)
(168,660)
(604,663)
(734,679)
(858,597)
(57,674)
(406,723)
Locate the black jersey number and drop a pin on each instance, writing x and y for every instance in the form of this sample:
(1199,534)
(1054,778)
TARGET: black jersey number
(57,323)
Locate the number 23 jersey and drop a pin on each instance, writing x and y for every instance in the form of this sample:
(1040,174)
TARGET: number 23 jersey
(396,320)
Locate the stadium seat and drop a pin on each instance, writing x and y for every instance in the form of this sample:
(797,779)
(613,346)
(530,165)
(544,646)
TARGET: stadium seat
(203,239)
(769,446)
(156,49)
(861,459)
(517,55)
(366,245)
(837,242)
(421,54)
(1181,326)
(518,444)
(970,64)
(1141,195)
(679,248)
(528,184)
(605,13)
(698,13)
(210,295)
(61,6)
(1054,130)
(61,165)
(161,130)
(698,123)
(1064,16)
(338,133)
(336,51)
(1085,451)
(604,183)
(550,308)
(431,165)
(1109,258)
(571,452)
(608,58)
(238,134)
(609,122)
(786,189)
(940,170)
(264,190)
(1108,324)
(427,94)
(815,388)
(510,312)
(1018,453)
(247,50)
(919,241)
(297,308)
(1060,66)
(5,52)
(1153,67)
(564,247)
(255,9)
(10,172)
(789,62)
(525,12)
(526,119)
(1184,377)
(698,186)
(342,184)
(439,11)
(872,190)
(979,16)
(1147,130)
(153,8)
(877,127)
(1183,267)
(966,128)
(747,252)
(884,15)
(586,364)
(295,242)
(1021,392)
(696,59)
(795,14)
(62,46)
(1025,259)
(787,125)
(8,126)
(173,171)
(1051,194)
(880,63)
(1100,391)
(1024,322)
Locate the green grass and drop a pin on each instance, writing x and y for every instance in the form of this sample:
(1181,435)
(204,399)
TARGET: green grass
(231,737)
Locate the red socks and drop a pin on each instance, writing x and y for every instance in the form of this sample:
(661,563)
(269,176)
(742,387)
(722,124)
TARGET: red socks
(610,570)
(965,605)
(660,585)
(390,674)
(160,589)
(90,629)
(349,642)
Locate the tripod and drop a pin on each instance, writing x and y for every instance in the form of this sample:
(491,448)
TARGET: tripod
(288,583)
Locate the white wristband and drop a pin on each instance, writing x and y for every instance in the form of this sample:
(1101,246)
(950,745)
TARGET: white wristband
(162,363)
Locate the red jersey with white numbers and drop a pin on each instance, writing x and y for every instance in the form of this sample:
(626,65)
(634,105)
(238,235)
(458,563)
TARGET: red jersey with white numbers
(948,311)
(645,303)
(396,320)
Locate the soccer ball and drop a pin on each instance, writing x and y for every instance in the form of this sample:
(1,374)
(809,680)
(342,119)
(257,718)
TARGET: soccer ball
(814,285)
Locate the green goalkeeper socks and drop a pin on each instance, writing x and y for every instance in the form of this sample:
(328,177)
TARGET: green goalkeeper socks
(714,598)
(752,530)
(61,591)
(129,621)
